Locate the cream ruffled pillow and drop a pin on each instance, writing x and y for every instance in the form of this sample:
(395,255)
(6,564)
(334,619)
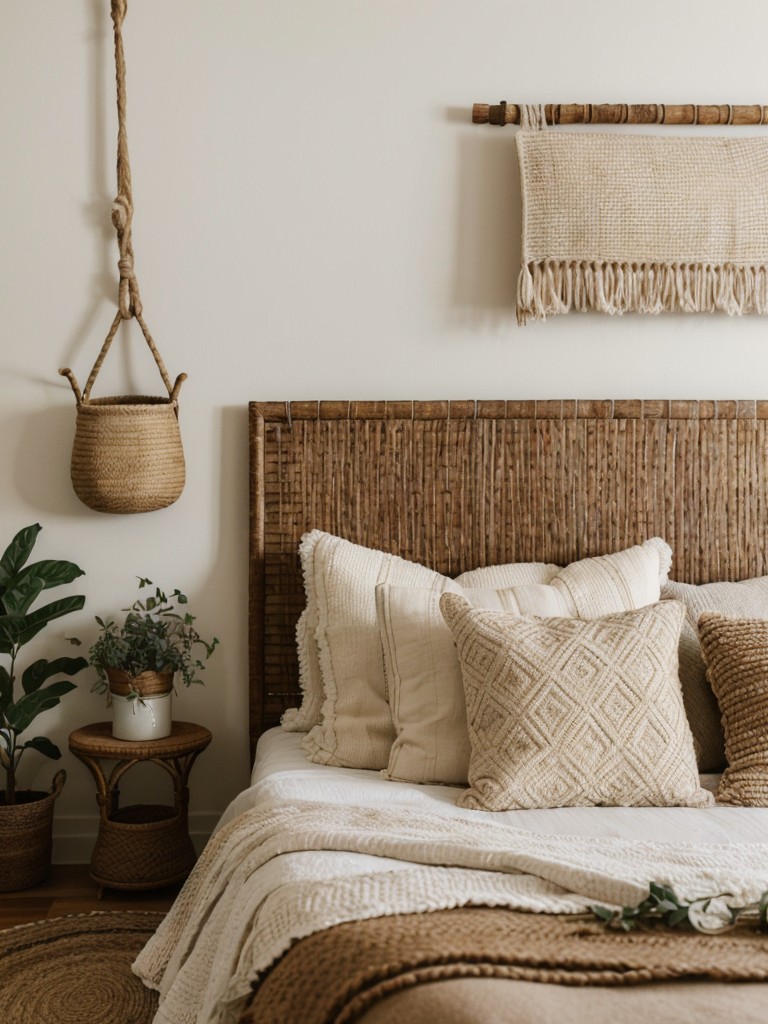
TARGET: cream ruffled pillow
(423,675)
(342,674)
(566,713)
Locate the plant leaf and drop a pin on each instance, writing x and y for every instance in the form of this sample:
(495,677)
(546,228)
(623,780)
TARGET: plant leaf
(17,553)
(10,628)
(39,671)
(763,912)
(677,917)
(21,714)
(43,746)
(21,594)
(604,913)
(40,617)
(24,587)
(6,690)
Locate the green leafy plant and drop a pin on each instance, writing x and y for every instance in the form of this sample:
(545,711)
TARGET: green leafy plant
(20,586)
(710,914)
(154,636)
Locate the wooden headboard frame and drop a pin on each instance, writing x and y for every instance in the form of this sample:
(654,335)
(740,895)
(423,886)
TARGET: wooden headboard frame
(456,485)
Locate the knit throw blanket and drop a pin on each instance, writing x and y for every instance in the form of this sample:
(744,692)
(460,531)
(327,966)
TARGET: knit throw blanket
(643,223)
(279,874)
(339,974)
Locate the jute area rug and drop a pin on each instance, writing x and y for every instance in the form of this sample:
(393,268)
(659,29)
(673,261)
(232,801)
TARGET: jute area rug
(76,970)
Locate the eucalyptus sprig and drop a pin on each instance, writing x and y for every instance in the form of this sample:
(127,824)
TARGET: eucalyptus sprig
(709,914)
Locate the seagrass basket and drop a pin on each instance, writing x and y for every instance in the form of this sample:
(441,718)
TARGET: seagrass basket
(127,454)
(26,837)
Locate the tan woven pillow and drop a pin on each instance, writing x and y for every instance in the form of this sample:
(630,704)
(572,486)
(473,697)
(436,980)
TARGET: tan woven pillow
(566,713)
(748,599)
(423,675)
(736,655)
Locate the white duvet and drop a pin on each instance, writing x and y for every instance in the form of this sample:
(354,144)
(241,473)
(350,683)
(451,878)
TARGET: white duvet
(309,846)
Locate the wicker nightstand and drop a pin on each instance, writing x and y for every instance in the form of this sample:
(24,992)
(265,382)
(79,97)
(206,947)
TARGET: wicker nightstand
(143,846)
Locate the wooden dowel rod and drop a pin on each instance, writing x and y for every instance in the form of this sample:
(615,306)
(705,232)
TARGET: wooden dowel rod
(626,113)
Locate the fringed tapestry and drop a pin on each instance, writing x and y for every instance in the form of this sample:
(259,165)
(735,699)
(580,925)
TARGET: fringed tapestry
(642,223)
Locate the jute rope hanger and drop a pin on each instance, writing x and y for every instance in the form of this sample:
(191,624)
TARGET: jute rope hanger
(626,113)
(127,454)
(129,298)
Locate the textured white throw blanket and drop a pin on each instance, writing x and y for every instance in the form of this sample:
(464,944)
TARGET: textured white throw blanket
(272,876)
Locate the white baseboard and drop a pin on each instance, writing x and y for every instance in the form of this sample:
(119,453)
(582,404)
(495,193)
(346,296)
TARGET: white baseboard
(74,835)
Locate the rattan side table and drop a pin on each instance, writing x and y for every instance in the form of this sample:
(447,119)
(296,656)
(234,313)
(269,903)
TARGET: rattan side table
(141,846)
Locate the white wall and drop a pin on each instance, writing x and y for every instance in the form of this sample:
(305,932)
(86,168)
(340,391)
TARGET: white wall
(316,217)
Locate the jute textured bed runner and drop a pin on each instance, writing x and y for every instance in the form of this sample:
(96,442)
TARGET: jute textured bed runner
(338,974)
(643,223)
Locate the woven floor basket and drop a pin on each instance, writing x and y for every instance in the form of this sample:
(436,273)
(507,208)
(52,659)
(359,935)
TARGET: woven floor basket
(26,838)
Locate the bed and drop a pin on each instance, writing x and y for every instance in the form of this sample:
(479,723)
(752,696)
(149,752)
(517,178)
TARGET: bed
(340,888)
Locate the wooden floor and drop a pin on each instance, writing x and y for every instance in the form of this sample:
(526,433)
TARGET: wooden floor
(69,890)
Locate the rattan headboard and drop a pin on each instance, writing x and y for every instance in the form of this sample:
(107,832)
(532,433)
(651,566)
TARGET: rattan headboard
(456,485)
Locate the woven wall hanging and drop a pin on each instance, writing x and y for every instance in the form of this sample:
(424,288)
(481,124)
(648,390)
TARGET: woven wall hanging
(641,223)
(127,454)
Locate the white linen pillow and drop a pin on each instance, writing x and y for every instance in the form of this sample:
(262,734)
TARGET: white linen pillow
(354,728)
(423,676)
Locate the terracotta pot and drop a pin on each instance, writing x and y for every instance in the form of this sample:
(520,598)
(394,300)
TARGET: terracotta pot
(26,836)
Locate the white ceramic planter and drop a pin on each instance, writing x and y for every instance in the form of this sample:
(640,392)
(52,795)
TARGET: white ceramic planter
(145,718)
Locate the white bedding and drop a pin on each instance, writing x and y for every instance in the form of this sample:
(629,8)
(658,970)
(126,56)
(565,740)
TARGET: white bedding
(282,773)
(308,846)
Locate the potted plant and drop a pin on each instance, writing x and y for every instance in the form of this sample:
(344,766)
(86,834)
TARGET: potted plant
(26,816)
(137,661)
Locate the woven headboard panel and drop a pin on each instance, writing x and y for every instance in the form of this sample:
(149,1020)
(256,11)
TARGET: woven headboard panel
(456,485)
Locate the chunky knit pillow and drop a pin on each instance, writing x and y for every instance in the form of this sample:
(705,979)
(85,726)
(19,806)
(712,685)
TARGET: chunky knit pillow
(736,656)
(565,712)
(745,600)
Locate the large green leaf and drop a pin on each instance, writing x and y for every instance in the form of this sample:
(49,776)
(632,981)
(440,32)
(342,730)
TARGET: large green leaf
(39,671)
(10,628)
(21,594)
(21,714)
(23,588)
(17,552)
(43,746)
(40,617)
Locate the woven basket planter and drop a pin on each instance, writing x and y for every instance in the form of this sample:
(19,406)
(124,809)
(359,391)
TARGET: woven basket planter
(127,454)
(26,837)
(147,716)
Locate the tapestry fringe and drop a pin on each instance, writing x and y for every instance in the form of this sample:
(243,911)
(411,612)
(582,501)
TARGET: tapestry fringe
(548,287)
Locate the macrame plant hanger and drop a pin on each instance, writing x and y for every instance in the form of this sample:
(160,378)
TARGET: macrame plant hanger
(127,454)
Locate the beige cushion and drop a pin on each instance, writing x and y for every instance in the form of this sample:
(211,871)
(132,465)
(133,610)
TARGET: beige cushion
(355,725)
(748,599)
(565,712)
(423,675)
(736,655)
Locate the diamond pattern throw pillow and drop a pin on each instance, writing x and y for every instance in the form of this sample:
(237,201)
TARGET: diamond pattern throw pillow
(565,712)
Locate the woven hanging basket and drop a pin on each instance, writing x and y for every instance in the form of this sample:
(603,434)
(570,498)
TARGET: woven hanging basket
(127,454)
